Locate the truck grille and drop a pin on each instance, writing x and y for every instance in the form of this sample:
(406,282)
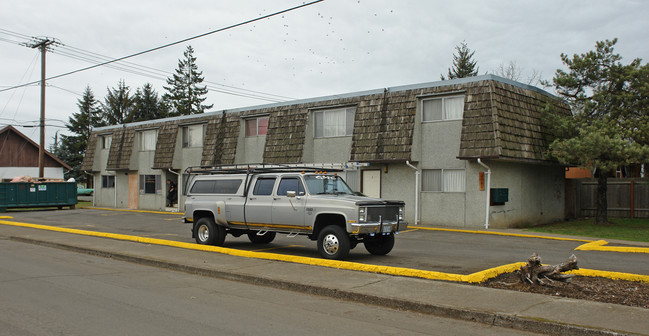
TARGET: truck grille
(387,214)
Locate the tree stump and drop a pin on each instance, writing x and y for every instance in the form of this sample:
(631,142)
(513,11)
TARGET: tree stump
(537,274)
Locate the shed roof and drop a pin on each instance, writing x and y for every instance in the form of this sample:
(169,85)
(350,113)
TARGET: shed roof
(26,154)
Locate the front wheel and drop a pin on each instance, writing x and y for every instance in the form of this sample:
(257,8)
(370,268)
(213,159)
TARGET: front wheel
(206,232)
(380,245)
(333,243)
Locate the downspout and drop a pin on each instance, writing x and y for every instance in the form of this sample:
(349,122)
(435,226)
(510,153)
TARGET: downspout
(417,172)
(94,186)
(488,173)
(116,190)
(180,177)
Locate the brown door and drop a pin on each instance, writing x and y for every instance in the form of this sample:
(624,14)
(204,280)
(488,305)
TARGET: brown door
(133,191)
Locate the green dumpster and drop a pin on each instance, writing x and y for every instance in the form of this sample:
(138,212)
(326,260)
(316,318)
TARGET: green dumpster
(33,195)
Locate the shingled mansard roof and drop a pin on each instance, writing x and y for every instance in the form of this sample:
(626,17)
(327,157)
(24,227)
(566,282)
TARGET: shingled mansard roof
(502,120)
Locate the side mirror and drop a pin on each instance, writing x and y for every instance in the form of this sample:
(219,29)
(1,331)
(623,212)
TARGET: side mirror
(290,194)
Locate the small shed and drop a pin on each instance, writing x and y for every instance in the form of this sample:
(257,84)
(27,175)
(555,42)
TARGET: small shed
(19,157)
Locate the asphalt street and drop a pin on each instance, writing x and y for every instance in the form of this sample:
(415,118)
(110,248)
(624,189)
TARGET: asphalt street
(417,248)
(45,291)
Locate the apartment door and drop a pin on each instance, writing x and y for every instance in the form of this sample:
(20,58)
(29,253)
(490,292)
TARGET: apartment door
(371,183)
(133,190)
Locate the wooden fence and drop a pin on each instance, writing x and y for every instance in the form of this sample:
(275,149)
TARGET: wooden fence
(627,198)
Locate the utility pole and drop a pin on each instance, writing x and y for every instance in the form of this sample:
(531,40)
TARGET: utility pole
(42,45)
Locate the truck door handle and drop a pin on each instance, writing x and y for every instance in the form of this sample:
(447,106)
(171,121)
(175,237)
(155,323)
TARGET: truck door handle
(253,198)
(276,198)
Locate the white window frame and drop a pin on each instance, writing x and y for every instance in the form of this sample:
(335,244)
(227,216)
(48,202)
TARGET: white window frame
(450,180)
(338,122)
(446,101)
(106,140)
(256,127)
(146,178)
(148,139)
(108,181)
(193,136)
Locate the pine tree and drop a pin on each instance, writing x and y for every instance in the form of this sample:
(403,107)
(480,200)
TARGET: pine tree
(609,125)
(70,149)
(463,63)
(118,105)
(184,92)
(148,106)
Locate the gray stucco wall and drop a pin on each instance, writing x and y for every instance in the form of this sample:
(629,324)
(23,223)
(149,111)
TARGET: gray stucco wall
(250,149)
(536,194)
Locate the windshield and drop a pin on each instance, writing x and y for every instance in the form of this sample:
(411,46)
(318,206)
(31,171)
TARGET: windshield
(327,184)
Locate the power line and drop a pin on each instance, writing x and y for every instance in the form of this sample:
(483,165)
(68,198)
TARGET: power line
(141,70)
(171,44)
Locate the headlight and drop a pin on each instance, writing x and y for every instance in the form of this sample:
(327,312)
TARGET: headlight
(401,212)
(362,214)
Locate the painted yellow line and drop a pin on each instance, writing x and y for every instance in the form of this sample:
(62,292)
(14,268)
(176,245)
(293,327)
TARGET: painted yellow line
(132,210)
(400,271)
(599,246)
(611,275)
(6,217)
(389,270)
(502,234)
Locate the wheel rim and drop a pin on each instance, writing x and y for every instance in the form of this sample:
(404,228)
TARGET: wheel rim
(203,233)
(330,244)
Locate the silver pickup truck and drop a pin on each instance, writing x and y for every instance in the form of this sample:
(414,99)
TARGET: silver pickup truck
(261,202)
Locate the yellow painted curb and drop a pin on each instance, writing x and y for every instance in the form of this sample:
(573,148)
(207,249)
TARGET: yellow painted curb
(599,246)
(400,271)
(389,270)
(611,275)
(132,210)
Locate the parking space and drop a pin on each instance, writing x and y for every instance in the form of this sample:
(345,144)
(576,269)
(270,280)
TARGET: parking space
(456,252)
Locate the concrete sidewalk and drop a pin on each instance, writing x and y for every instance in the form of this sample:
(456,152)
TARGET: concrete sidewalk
(524,311)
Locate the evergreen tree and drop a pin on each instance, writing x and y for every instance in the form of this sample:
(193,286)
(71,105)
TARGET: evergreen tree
(463,63)
(147,105)
(184,93)
(118,105)
(609,125)
(71,148)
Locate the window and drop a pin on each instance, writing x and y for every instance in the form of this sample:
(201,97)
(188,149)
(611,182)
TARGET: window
(327,184)
(443,180)
(106,141)
(334,123)
(290,184)
(107,181)
(193,135)
(264,186)
(150,184)
(256,126)
(148,140)
(216,187)
(444,108)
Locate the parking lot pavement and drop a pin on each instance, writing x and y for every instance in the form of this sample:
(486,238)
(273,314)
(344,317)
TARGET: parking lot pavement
(439,250)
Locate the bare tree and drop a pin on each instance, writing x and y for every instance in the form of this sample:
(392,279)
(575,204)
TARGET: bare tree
(513,71)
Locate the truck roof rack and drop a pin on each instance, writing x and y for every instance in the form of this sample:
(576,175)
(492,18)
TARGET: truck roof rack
(269,168)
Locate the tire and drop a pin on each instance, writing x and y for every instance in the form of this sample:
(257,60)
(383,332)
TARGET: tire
(206,232)
(380,245)
(333,243)
(263,239)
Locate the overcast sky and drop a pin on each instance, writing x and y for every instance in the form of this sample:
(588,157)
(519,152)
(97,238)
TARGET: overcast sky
(332,47)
